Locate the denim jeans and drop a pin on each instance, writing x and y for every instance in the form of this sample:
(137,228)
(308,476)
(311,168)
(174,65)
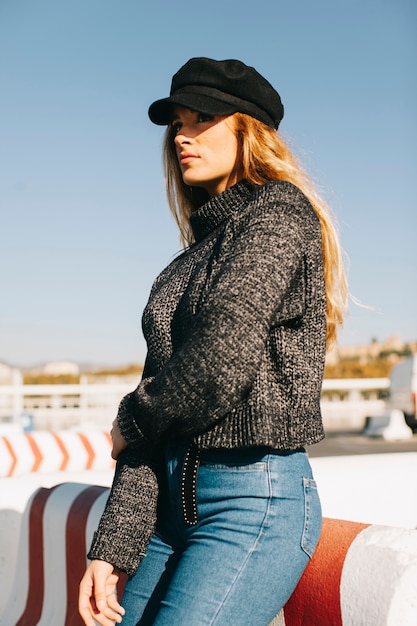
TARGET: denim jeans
(259,521)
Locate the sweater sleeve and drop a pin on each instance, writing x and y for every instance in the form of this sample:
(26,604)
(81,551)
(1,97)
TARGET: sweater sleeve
(129,517)
(212,370)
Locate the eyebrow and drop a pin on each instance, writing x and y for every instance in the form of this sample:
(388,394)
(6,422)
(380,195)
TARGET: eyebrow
(176,117)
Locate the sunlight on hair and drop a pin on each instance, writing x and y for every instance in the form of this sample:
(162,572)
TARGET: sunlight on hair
(264,157)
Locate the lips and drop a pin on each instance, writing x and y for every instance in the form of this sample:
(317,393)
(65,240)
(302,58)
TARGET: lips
(186,157)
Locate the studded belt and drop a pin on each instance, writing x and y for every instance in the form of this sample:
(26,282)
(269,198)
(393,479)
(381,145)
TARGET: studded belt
(189,485)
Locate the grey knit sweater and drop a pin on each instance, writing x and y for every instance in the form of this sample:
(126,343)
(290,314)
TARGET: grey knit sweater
(236,329)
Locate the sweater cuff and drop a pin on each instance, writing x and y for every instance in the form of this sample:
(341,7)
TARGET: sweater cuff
(128,520)
(128,561)
(126,420)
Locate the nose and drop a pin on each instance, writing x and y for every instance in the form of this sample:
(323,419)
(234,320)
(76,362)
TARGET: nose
(182,137)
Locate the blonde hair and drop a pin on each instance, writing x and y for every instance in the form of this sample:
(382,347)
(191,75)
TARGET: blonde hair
(264,156)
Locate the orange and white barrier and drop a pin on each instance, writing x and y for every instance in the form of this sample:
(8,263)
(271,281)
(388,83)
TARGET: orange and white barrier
(360,574)
(45,451)
(57,528)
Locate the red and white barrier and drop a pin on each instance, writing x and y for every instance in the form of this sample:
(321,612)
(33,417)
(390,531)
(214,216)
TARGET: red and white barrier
(45,451)
(360,574)
(57,528)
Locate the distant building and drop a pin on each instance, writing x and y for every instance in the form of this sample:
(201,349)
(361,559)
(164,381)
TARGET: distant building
(393,345)
(9,375)
(61,367)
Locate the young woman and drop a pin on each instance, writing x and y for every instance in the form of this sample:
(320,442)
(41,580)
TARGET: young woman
(237,328)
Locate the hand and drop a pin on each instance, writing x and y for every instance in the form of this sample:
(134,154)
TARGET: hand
(119,442)
(97,601)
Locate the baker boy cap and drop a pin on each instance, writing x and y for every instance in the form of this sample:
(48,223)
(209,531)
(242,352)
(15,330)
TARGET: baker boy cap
(220,88)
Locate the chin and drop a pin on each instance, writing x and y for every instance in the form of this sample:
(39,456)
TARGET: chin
(192,181)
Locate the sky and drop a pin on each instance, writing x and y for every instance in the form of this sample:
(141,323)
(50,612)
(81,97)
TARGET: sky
(85,227)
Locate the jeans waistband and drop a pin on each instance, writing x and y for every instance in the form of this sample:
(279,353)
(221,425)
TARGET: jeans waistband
(191,463)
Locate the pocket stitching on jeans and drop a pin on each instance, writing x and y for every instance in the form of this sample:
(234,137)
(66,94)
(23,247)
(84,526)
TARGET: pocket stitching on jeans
(309,484)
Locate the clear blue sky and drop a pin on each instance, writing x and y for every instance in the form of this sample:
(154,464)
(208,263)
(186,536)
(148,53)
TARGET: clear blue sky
(84,222)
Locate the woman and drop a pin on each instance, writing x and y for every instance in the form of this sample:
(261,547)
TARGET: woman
(237,328)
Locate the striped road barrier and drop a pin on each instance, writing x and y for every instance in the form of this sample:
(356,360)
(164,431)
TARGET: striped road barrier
(360,574)
(45,451)
(57,527)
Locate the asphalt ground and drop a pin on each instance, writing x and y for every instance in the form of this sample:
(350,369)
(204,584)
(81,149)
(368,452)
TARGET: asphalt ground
(351,442)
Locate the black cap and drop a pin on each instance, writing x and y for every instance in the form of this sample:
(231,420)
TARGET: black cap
(220,88)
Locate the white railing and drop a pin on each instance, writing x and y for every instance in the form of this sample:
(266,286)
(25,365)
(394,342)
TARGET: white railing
(345,403)
(63,406)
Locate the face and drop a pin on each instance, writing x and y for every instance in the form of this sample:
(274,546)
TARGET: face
(206,148)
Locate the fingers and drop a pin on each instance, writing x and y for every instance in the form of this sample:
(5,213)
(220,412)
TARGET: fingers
(97,599)
(107,610)
(119,442)
(84,606)
(113,603)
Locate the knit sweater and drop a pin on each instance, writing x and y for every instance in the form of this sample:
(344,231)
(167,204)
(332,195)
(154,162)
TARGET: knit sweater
(236,330)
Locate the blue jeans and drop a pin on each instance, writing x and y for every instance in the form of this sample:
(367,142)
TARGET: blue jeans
(259,521)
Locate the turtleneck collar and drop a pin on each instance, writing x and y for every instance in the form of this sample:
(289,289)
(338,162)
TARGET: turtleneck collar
(211,214)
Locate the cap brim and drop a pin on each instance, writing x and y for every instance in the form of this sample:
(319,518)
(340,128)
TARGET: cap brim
(160,112)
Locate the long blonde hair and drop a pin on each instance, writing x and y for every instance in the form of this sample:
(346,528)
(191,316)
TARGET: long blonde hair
(264,156)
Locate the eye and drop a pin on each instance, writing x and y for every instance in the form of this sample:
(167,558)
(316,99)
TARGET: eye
(176,126)
(205,117)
